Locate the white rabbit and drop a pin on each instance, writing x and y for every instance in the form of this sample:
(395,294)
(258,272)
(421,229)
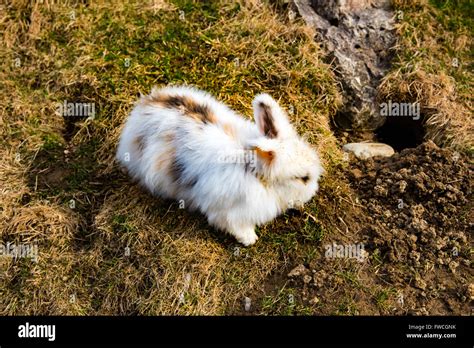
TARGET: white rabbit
(182,143)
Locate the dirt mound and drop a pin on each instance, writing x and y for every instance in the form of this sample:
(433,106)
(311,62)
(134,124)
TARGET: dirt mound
(419,217)
(412,213)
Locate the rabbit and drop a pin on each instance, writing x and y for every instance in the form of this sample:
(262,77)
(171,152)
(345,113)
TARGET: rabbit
(181,143)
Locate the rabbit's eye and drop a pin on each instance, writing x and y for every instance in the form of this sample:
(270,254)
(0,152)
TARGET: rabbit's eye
(304,179)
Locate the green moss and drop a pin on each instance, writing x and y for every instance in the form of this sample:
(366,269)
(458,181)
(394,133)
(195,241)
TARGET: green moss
(121,224)
(52,142)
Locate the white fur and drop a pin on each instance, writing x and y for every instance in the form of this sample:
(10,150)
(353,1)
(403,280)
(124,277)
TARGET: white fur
(232,198)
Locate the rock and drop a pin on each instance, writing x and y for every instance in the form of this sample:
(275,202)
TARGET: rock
(415,255)
(401,186)
(359,35)
(387,214)
(470,291)
(367,150)
(319,278)
(314,301)
(381,191)
(357,173)
(298,271)
(364,255)
(453,265)
(420,283)
(307,279)
(247,303)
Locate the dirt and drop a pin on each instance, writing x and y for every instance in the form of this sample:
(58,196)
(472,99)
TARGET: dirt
(419,205)
(413,214)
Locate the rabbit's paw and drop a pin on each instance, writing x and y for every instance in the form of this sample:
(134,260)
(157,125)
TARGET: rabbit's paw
(246,236)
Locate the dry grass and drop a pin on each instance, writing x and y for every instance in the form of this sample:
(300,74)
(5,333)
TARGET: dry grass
(118,250)
(434,67)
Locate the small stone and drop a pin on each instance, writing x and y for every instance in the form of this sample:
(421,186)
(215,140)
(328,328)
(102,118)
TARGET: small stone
(319,278)
(381,191)
(387,214)
(357,173)
(441,243)
(470,291)
(364,255)
(298,271)
(247,303)
(402,185)
(314,301)
(453,265)
(423,311)
(307,279)
(415,255)
(417,210)
(420,283)
(367,150)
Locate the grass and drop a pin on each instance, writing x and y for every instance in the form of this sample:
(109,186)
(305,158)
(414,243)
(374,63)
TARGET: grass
(347,307)
(285,302)
(350,277)
(433,66)
(115,249)
(383,298)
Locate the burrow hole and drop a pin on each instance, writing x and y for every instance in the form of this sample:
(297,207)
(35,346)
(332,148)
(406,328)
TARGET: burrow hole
(401,132)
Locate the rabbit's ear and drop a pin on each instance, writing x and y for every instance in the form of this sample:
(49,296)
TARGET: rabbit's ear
(267,156)
(270,118)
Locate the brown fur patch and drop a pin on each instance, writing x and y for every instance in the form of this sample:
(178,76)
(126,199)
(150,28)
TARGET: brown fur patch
(169,137)
(176,171)
(166,158)
(139,143)
(268,123)
(229,130)
(188,107)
